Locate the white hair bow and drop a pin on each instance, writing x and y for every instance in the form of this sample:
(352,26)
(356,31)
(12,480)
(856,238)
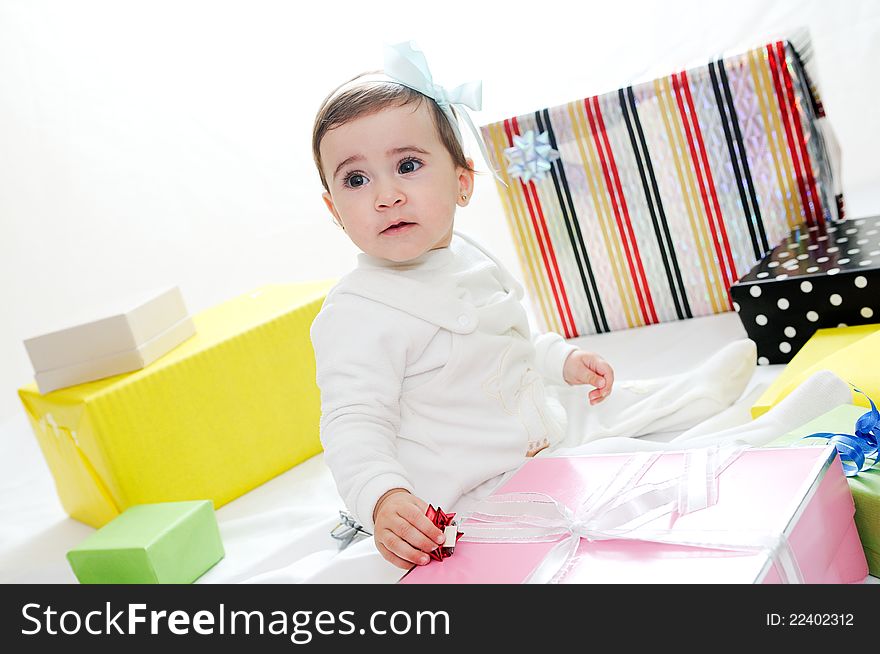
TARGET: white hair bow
(408,66)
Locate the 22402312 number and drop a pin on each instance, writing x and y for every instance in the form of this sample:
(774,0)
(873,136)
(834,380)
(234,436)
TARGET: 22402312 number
(810,619)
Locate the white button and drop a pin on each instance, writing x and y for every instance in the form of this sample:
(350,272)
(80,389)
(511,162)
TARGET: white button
(463,320)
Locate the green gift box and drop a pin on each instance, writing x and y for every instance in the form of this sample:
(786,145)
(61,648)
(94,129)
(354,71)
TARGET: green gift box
(865,486)
(165,543)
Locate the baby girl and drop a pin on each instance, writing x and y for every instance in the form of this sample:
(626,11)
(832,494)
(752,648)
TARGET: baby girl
(433,385)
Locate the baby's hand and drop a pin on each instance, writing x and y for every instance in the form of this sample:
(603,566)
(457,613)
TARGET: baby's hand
(583,367)
(403,533)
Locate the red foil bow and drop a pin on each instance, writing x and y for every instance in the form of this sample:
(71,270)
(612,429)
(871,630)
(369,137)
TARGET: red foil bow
(441,520)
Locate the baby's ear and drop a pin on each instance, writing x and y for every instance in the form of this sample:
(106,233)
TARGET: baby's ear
(466,179)
(328,200)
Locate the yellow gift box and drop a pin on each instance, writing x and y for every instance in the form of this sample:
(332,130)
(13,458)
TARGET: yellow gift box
(851,353)
(225,411)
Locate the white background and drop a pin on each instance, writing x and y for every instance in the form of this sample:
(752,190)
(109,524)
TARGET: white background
(153,143)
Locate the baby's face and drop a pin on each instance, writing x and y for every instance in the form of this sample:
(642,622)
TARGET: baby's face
(393,185)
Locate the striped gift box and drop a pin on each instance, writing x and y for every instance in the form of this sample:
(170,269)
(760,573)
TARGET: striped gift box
(665,193)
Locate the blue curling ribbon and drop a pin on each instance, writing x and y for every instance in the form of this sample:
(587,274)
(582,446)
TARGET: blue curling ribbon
(856,450)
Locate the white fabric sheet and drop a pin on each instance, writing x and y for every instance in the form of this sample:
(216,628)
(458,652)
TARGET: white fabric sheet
(280,531)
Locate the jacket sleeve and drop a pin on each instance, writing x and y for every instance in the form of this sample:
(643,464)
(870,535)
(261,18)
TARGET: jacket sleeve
(551,351)
(360,356)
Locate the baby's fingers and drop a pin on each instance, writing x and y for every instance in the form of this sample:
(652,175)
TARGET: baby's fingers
(415,516)
(391,557)
(400,548)
(608,373)
(409,533)
(587,376)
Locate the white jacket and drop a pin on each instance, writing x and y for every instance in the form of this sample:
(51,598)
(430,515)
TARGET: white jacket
(429,377)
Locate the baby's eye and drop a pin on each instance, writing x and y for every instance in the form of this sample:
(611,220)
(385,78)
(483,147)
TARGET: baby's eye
(409,166)
(355,180)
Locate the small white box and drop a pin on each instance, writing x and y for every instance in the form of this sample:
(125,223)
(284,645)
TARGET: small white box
(129,339)
(451,534)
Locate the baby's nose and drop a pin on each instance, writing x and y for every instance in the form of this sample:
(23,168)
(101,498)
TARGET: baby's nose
(389,196)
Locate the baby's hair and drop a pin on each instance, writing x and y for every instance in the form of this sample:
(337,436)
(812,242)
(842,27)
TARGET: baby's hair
(369,97)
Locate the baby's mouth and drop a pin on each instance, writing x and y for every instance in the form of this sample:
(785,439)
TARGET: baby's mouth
(397,227)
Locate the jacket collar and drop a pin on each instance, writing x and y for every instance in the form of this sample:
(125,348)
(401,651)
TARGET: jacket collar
(436,304)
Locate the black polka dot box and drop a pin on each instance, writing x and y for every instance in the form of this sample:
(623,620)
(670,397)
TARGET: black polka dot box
(825,276)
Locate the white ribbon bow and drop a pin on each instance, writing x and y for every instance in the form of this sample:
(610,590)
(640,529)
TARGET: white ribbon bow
(619,510)
(408,66)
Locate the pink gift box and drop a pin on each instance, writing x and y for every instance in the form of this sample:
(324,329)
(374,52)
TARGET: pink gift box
(800,493)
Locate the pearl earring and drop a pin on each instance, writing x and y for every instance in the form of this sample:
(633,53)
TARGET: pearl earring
(463,196)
